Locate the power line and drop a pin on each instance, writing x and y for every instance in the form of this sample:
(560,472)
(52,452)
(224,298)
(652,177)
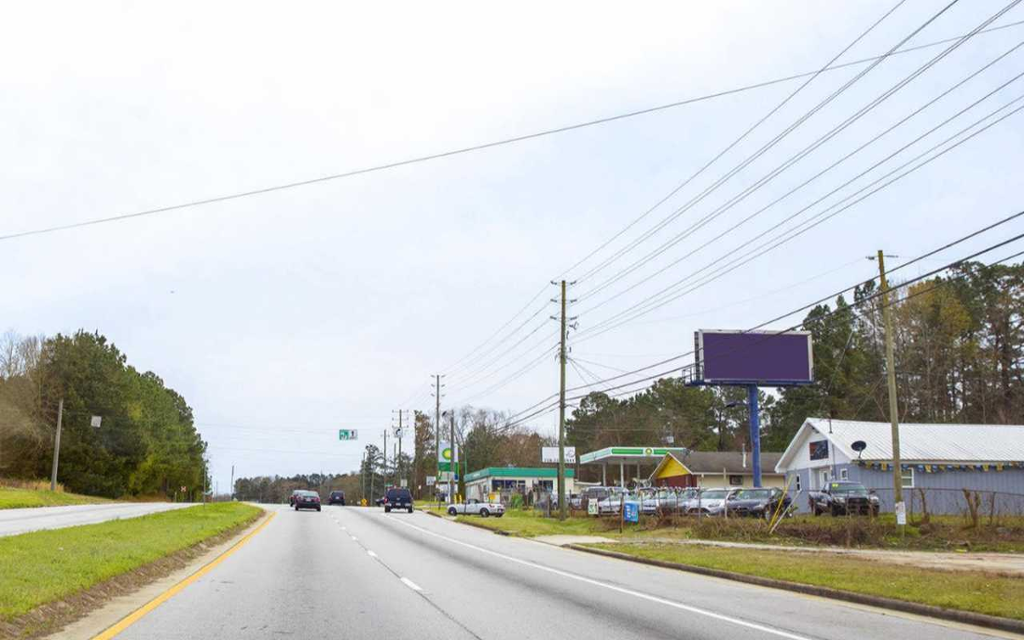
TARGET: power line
(653,302)
(764,148)
(904,284)
(469,149)
(800,155)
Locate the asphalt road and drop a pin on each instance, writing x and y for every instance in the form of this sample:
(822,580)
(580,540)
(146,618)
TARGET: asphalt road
(15,521)
(358,573)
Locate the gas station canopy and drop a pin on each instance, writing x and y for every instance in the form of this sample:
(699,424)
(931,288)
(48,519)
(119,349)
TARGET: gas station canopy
(628,456)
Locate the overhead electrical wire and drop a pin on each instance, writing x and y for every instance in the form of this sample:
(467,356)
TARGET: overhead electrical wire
(546,405)
(803,153)
(461,150)
(765,147)
(957,42)
(820,173)
(659,299)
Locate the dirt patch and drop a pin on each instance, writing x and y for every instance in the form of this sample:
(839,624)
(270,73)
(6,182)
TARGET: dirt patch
(54,616)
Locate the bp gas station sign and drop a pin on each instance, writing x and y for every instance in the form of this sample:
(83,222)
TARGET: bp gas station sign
(348,434)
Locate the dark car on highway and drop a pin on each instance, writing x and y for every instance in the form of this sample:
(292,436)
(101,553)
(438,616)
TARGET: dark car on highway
(336,497)
(307,500)
(759,503)
(397,499)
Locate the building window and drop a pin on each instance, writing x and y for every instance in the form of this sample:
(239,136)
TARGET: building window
(796,484)
(908,478)
(844,474)
(736,480)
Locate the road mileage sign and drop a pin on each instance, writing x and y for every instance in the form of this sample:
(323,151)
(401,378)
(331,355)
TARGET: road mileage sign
(348,434)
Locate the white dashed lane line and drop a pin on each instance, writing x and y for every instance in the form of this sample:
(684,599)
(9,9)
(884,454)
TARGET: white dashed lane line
(412,585)
(371,554)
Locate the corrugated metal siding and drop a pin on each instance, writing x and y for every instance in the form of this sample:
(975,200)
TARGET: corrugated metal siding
(925,442)
(944,490)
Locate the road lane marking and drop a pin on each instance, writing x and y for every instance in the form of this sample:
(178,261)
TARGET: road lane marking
(597,583)
(412,585)
(371,554)
(138,614)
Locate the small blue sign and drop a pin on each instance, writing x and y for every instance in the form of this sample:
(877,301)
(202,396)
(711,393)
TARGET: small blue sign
(632,512)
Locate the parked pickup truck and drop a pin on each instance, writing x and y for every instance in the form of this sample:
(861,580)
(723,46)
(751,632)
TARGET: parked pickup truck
(474,507)
(842,498)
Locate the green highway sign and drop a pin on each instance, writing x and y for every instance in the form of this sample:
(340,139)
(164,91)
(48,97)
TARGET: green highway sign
(348,434)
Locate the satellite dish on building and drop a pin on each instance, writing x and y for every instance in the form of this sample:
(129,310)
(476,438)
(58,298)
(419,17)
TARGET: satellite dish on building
(859,446)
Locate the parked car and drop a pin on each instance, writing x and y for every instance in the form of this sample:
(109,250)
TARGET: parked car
(336,497)
(710,502)
(841,497)
(397,499)
(291,498)
(307,500)
(476,507)
(613,502)
(759,503)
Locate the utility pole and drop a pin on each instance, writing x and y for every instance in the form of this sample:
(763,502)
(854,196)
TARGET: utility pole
(232,482)
(369,455)
(384,453)
(397,461)
(56,446)
(561,413)
(452,466)
(890,366)
(437,430)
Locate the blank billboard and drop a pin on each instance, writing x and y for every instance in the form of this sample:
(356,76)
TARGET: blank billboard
(766,358)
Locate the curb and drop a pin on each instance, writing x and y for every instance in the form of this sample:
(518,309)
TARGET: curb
(964,617)
(470,523)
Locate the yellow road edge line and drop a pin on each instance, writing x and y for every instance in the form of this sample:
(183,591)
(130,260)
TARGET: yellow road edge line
(139,613)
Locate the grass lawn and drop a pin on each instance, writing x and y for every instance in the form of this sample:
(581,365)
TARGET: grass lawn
(969,591)
(529,524)
(11,498)
(43,566)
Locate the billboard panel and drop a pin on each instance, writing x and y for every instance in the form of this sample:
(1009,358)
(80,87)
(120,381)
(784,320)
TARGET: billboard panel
(767,358)
(550,454)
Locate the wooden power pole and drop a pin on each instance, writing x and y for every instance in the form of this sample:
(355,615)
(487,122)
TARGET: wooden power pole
(890,366)
(562,506)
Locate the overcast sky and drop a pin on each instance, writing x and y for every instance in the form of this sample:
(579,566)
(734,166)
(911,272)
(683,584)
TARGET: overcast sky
(284,317)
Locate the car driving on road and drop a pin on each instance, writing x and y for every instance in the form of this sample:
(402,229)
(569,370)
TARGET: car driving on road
(478,508)
(336,497)
(397,499)
(307,500)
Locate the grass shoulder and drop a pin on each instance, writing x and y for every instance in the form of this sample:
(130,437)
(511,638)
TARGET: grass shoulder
(979,592)
(46,566)
(18,498)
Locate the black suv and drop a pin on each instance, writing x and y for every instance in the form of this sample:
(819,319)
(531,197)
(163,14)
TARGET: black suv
(336,497)
(397,499)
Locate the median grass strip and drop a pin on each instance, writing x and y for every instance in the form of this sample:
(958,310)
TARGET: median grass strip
(46,566)
(13,498)
(979,592)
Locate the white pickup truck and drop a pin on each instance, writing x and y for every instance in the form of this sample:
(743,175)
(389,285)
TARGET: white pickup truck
(477,507)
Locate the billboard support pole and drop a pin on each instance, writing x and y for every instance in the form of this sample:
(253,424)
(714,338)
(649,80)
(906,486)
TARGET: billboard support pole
(755,433)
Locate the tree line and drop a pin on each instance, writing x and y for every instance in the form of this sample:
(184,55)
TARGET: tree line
(959,357)
(146,444)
